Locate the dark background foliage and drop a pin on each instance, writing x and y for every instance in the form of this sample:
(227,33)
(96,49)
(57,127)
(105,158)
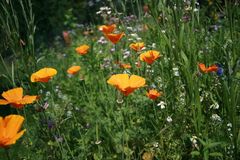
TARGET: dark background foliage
(52,17)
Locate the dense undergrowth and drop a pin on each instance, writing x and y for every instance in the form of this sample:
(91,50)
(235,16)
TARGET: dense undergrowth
(81,116)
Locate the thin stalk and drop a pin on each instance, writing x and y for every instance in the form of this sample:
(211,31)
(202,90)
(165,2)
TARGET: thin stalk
(69,149)
(7,154)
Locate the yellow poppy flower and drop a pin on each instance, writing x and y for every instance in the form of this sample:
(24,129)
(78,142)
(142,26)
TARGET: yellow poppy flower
(9,127)
(125,83)
(150,56)
(107,28)
(114,38)
(83,49)
(125,65)
(137,46)
(73,70)
(153,94)
(15,98)
(43,75)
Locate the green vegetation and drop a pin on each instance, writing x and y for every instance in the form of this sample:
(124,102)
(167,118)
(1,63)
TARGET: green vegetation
(81,117)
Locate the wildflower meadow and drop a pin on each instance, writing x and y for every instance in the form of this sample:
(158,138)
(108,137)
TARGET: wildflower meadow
(120,80)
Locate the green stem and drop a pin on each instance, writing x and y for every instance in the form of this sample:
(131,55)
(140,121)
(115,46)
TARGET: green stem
(119,98)
(117,55)
(68,147)
(7,154)
(123,134)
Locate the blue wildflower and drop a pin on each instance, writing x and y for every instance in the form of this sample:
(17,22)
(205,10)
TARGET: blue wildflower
(219,70)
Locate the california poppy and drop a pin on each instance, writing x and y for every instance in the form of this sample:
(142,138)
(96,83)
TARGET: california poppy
(125,83)
(66,37)
(137,46)
(153,94)
(15,98)
(107,28)
(204,69)
(125,65)
(43,75)
(114,38)
(9,127)
(73,70)
(83,49)
(150,56)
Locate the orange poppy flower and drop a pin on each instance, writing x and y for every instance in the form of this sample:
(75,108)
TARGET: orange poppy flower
(125,83)
(83,49)
(107,28)
(150,56)
(9,127)
(73,70)
(125,65)
(205,69)
(153,94)
(15,98)
(43,75)
(114,38)
(137,46)
(66,37)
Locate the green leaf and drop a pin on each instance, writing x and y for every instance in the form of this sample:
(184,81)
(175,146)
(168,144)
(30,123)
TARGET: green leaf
(238,139)
(185,59)
(238,75)
(202,142)
(97,156)
(212,145)
(195,153)
(216,154)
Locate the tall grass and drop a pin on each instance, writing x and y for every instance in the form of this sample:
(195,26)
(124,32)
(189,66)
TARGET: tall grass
(198,117)
(17,34)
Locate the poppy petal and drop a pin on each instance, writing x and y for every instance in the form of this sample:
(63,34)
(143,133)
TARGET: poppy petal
(13,94)
(142,57)
(107,28)
(137,81)
(43,75)
(121,81)
(2,125)
(13,124)
(15,138)
(126,84)
(3,102)
(73,69)
(212,68)
(153,94)
(202,67)
(83,49)
(114,38)
(149,56)
(137,46)
(28,99)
